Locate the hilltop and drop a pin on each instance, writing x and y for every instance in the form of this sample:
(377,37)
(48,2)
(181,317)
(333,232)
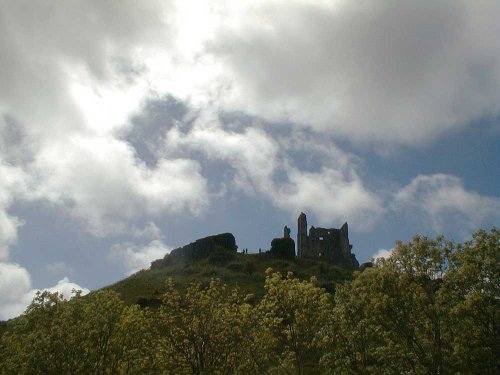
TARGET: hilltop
(218,257)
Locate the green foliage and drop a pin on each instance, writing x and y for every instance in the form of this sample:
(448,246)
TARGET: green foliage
(203,331)
(245,271)
(96,334)
(290,318)
(431,308)
(472,296)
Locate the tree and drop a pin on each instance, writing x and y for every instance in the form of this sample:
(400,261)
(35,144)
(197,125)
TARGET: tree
(27,346)
(372,330)
(473,294)
(291,315)
(431,308)
(86,335)
(204,331)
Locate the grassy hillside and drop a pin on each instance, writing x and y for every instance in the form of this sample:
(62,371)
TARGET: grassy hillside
(246,271)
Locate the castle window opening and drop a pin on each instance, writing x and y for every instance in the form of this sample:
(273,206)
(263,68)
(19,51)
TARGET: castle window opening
(321,238)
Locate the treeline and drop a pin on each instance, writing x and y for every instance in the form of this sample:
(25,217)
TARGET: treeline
(431,308)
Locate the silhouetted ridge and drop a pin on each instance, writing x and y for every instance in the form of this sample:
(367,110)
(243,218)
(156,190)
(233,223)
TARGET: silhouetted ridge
(200,249)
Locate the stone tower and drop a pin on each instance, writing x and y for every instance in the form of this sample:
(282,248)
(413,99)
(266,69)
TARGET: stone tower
(301,235)
(286,232)
(344,241)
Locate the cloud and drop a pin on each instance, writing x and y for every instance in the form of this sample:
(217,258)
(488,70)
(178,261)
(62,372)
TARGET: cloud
(100,181)
(15,282)
(90,47)
(133,257)
(149,231)
(381,71)
(333,190)
(65,288)
(8,233)
(16,292)
(383,253)
(441,201)
(331,194)
(70,85)
(374,70)
(12,185)
(252,153)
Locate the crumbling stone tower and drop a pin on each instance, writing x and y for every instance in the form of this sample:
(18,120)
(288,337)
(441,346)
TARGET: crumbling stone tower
(302,235)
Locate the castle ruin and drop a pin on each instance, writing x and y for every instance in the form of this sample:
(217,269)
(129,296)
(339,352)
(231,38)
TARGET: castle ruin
(325,243)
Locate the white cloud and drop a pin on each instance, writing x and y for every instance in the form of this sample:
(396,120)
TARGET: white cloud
(383,253)
(64,287)
(334,192)
(441,201)
(8,232)
(372,71)
(15,282)
(42,60)
(252,153)
(16,292)
(101,181)
(133,257)
(332,195)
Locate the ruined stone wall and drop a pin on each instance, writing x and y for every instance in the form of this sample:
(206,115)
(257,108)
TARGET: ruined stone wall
(324,243)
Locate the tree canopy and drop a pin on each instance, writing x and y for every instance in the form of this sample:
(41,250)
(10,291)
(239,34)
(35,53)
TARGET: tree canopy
(432,307)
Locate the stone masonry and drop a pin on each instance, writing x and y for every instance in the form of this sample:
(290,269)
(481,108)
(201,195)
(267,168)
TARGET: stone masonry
(325,243)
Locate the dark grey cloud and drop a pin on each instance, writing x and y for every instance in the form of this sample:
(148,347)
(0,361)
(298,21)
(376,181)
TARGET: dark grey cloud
(385,71)
(147,129)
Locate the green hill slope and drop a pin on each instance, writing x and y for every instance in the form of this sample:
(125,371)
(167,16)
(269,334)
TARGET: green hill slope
(212,258)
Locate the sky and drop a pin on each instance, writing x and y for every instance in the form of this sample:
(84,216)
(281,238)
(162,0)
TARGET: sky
(131,128)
